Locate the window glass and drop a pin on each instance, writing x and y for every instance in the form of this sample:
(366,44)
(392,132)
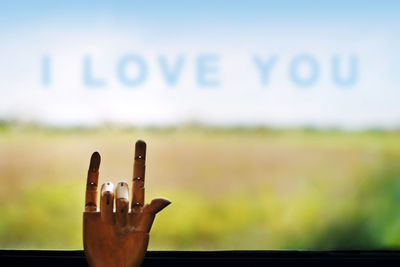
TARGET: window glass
(269,124)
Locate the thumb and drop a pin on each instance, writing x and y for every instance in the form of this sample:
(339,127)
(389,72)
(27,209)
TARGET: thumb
(156,205)
(149,212)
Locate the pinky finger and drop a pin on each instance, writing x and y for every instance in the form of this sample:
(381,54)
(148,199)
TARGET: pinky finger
(91,184)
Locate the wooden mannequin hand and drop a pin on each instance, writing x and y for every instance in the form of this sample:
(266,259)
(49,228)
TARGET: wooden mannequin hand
(120,237)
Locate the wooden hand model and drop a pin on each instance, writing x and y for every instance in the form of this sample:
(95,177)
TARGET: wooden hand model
(118,237)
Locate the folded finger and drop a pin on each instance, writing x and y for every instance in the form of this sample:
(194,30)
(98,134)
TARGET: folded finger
(91,184)
(106,203)
(122,203)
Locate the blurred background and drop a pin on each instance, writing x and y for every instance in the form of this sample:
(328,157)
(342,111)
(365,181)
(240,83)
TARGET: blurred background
(269,124)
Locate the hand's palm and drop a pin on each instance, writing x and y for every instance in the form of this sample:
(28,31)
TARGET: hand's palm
(120,237)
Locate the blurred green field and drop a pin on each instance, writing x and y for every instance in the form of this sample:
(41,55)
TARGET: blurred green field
(231,188)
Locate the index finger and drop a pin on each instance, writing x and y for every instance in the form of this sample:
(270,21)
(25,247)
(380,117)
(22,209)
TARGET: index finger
(92,181)
(139,168)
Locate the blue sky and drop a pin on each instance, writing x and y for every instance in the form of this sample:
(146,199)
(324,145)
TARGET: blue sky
(161,14)
(228,33)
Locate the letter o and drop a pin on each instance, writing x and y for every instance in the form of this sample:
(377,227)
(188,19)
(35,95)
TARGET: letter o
(294,70)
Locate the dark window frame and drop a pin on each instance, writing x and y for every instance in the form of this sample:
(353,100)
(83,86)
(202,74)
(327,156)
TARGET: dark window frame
(77,258)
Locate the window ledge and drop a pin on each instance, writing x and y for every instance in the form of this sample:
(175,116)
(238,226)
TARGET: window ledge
(203,258)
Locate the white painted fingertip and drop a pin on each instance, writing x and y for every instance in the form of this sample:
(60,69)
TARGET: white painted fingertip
(122,191)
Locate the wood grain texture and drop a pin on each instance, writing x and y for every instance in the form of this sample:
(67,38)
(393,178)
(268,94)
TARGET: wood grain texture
(108,245)
(92,181)
(139,169)
(118,238)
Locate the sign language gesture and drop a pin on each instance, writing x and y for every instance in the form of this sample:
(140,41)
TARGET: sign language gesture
(118,237)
